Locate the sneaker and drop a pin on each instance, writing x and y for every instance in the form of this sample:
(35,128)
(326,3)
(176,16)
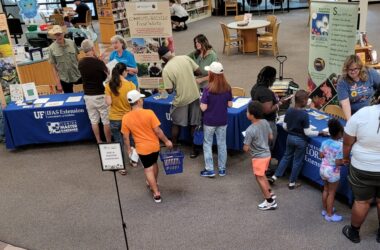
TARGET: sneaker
(206,173)
(378,236)
(294,186)
(333,218)
(222,172)
(351,234)
(267,206)
(157,199)
(324,212)
(271,180)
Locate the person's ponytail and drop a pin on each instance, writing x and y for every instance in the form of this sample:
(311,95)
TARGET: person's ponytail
(115,81)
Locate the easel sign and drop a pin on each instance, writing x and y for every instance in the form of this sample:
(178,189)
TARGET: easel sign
(111,156)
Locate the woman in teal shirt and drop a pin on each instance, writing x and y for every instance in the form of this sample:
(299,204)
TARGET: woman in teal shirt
(203,55)
(121,54)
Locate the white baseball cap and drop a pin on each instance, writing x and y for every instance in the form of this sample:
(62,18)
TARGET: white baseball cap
(215,67)
(133,96)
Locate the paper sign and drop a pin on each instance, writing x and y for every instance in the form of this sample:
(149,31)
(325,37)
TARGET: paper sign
(16,93)
(111,156)
(54,104)
(240,102)
(41,100)
(30,91)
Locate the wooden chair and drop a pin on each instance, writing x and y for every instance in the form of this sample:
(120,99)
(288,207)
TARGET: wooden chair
(231,41)
(269,42)
(237,91)
(45,89)
(230,5)
(272,19)
(88,21)
(57,19)
(78,88)
(239,18)
(335,110)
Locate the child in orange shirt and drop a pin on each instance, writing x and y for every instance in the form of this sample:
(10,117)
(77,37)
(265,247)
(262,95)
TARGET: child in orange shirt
(145,128)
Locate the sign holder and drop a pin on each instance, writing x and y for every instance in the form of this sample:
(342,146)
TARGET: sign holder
(112,159)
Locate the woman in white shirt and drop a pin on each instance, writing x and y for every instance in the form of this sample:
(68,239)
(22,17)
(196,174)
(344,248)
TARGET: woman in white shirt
(178,15)
(362,140)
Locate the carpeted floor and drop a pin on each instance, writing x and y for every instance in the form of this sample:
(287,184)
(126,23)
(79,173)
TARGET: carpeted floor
(57,197)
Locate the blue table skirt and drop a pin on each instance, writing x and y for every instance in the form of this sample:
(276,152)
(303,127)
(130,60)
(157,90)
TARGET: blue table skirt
(312,161)
(237,121)
(34,125)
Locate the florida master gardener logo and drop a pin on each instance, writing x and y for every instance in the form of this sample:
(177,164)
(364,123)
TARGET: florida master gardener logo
(62,127)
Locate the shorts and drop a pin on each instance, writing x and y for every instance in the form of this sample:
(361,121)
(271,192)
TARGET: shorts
(97,108)
(189,114)
(149,160)
(260,165)
(329,174)
(365,185)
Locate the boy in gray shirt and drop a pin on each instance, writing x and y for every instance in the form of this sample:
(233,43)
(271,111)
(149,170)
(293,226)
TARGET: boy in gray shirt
(256,141)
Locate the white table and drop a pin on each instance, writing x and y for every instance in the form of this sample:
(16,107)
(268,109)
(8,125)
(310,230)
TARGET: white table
(249,33)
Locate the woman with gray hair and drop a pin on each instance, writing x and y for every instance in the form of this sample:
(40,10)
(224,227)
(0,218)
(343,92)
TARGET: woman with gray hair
(94,72)
(121,54)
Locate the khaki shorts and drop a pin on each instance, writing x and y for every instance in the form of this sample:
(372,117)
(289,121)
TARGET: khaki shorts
(97,108)
(187,115)
(260,165)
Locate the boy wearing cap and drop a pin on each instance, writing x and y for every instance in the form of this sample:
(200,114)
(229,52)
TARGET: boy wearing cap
(216,98)
(63,56)
(145,128)
(178,76)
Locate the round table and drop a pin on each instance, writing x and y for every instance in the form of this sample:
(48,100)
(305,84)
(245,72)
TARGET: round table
(249,33)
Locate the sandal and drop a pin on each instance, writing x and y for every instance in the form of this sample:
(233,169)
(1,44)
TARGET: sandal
(122,172)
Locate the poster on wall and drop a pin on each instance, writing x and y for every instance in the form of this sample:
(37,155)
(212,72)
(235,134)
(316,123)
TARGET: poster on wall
(8,69)
(332,39)
(150,28)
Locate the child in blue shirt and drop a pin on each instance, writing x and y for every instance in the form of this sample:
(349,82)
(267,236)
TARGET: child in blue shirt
(297,124)
(331,153)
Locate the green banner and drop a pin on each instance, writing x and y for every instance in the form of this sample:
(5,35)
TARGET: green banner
(332,39)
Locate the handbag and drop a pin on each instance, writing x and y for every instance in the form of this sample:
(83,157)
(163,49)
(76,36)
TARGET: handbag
(198,135)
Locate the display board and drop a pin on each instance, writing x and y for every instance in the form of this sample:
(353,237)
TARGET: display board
(332,39)
(149,27)
(8,68)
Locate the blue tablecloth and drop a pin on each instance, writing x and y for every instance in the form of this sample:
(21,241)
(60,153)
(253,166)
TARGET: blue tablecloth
(32,125)
(312,161)
(237,121)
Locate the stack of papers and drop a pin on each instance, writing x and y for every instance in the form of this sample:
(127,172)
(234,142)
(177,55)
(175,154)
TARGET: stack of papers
(54,104)
(41,100)
(74,99)
(240,102)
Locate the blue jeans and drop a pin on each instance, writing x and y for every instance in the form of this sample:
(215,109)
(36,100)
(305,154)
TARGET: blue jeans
(221,132)
(2,132)
(115,127)
(295,150)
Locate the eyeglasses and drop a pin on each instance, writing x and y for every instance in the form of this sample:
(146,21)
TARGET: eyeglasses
(354,69)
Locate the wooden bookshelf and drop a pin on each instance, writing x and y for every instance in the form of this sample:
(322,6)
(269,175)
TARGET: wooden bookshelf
(197,9)
(112,17)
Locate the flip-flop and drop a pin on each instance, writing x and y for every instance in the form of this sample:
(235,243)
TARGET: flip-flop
(122,172)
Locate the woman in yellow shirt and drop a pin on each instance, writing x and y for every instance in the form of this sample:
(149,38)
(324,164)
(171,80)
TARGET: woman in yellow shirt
(116,97)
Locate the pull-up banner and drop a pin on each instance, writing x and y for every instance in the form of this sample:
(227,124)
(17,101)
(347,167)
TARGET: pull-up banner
(332,39)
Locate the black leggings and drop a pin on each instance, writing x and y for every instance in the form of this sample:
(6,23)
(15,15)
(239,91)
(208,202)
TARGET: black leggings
(180,19)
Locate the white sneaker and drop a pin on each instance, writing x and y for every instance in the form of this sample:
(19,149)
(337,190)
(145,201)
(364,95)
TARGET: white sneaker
(267,206)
